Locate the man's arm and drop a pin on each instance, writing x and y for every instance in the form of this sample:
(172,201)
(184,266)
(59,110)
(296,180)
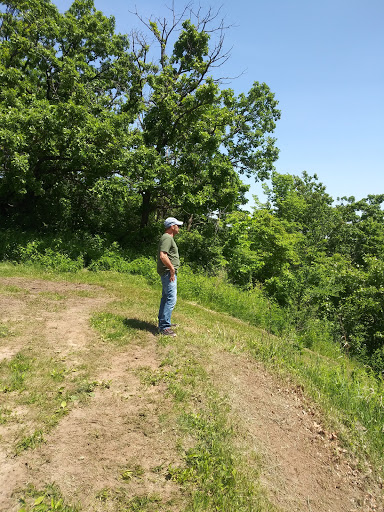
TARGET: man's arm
(167,262)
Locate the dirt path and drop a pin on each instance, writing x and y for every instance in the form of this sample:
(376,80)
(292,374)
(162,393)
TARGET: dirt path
(95,444)
(304,467)
(115,444)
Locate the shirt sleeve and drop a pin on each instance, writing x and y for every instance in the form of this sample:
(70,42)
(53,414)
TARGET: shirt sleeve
(165,244)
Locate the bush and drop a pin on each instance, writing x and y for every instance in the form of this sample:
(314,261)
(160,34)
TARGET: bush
(111,259)
(145,267)
(21,246)
(51,260)
(377,360)
(202,253)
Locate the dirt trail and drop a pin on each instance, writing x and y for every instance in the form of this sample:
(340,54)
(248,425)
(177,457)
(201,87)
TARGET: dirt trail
(96,444)
(304,467)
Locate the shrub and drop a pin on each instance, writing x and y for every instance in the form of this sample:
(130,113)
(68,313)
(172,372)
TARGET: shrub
(50,260)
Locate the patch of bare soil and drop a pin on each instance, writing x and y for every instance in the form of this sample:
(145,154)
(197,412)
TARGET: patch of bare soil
(113,447)
(304,467)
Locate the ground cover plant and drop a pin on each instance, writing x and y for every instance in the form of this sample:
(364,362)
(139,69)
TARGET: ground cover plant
(183,409)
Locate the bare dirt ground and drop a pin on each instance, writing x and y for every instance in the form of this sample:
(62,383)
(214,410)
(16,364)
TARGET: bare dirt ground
(118,429)
(304,467)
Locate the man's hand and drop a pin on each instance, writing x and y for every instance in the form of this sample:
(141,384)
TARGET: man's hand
(167,262)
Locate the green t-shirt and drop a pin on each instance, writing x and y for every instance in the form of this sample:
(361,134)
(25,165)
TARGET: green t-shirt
(167,244)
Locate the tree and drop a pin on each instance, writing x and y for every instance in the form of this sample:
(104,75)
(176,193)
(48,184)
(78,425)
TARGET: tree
(196,139)
(360,229)
(259,248)
(64,79)
(78,105)
(304,203)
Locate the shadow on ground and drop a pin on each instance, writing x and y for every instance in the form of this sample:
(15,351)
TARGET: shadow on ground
(134,323)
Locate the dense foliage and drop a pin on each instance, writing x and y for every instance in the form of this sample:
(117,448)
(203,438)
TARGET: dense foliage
(316,259)
(90,129)
(100,140)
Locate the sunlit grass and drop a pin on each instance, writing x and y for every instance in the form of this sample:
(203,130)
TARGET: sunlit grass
(349,394)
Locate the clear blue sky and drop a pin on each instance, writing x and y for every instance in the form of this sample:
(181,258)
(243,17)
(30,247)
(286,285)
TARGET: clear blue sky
(324,62)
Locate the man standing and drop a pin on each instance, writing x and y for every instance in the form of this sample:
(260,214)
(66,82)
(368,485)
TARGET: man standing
(167,264)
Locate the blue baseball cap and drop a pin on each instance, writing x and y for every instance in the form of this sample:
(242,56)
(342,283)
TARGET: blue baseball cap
(170,221)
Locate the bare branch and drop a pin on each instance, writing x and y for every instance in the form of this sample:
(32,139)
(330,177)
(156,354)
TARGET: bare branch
(209,22)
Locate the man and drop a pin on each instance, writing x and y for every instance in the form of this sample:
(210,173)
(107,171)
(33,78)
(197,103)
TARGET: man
(167,264)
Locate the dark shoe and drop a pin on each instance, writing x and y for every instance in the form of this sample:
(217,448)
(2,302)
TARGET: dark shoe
(168,332)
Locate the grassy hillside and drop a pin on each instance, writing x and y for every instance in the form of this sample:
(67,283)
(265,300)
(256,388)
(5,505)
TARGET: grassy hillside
(99,413)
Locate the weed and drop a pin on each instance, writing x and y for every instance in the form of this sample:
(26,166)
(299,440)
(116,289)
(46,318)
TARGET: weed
(10,289)
(143,503)
(16,371)
(106,384)
(4,331)
(5,415)
(59,374)
(104,494)
(48,500)
(149,377)
(135,471)
(87,387)
(30,442)
(52,295)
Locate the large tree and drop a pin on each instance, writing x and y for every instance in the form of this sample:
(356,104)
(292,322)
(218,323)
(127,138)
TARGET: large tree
(63,79)
(197,138)
(78,105)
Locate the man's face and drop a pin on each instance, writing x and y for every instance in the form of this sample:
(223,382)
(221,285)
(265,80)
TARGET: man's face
(175,229)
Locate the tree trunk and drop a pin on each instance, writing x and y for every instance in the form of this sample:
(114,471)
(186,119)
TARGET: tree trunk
(190,220)
(145,208)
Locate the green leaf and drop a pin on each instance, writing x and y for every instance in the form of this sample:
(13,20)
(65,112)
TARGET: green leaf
(39,500)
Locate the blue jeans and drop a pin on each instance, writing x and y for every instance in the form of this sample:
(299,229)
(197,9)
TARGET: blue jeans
(168,301)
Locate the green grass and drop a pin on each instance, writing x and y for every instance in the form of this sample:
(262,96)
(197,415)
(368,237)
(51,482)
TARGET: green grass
(132,471)
(46,500)
(10,289)
(213,473)
(13,373)
(113,328)
(30,442)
